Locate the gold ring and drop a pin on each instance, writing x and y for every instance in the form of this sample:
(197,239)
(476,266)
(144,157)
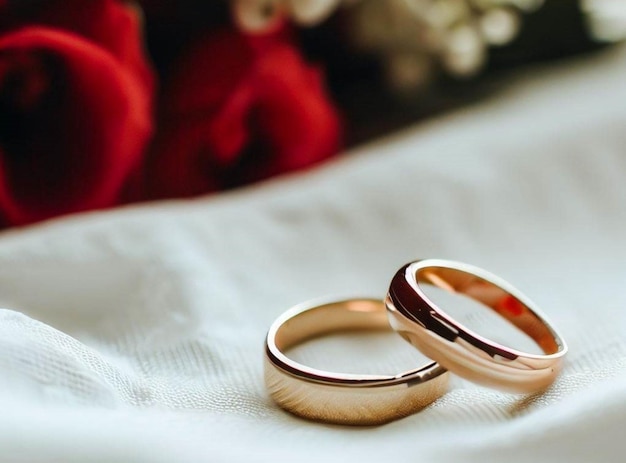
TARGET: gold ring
(338,397)
(438,336)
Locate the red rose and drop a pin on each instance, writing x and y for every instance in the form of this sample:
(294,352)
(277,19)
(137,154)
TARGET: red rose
(75,106)
(238,109)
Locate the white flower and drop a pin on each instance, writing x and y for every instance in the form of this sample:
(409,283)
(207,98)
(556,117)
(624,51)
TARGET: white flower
(261,15)
(415,38)
(606,19)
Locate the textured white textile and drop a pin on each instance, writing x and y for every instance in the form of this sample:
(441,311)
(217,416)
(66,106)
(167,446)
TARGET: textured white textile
(136,335)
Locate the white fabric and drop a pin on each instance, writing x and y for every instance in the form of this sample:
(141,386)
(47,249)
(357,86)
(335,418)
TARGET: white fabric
(136,335)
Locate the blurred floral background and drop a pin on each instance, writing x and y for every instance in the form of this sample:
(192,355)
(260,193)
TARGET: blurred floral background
(108,102)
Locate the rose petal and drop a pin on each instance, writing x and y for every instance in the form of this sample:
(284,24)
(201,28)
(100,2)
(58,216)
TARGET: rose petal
(77,146)
(241,109)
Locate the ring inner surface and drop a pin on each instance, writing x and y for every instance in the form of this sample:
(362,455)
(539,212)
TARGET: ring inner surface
(361,315)
(494,297)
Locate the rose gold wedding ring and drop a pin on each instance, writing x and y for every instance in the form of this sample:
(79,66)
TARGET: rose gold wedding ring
(338,397)
(425,325)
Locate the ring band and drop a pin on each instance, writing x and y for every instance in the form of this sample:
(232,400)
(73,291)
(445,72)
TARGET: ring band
(421,322)
(337,397)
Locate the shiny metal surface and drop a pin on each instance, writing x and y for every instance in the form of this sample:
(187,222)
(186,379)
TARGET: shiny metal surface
(337,397)
(427,326)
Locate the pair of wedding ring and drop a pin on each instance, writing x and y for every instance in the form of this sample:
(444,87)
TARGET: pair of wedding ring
(375,399)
